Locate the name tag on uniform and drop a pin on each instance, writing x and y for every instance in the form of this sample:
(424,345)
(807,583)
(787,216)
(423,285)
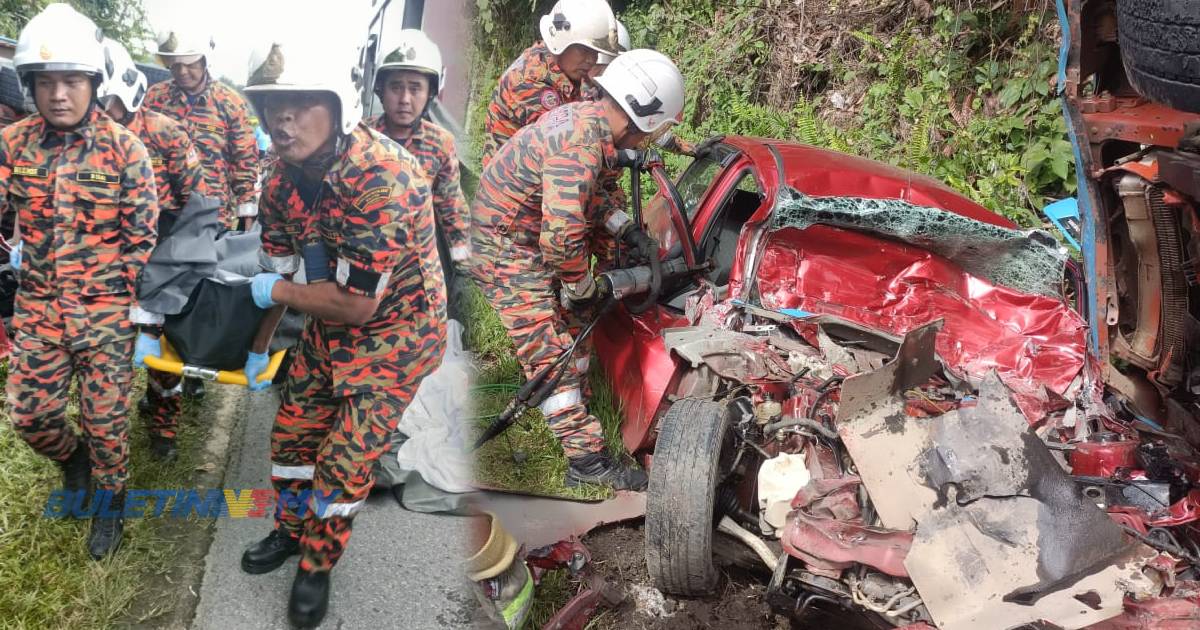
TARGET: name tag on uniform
(30,171)
(207,127)
(156,162)
(93,177)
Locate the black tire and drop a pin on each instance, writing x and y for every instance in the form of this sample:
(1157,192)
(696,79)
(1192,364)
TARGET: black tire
(1160,45)
(693,436)
(10,90)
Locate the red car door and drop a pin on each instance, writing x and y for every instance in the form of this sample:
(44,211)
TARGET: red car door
(630,346)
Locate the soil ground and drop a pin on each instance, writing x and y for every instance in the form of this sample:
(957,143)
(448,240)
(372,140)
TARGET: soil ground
(618,555)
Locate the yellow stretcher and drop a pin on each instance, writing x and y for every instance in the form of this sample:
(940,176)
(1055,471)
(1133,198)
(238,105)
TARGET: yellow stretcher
(171,363)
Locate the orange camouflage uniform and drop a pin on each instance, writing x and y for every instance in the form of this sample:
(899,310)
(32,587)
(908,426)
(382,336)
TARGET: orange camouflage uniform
(177,173)
(218,122)
(434,149)
(539,206)
(530,87)
(87,208)
(349,385)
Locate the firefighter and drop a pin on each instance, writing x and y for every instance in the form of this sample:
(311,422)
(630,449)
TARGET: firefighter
(407,81)
(552,71)
(668,141)
(217,120)
(177,173)
(354,209)
(83,190)
(532,221)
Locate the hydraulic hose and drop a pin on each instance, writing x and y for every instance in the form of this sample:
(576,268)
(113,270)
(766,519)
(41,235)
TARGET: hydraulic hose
(538,388)
(656,277)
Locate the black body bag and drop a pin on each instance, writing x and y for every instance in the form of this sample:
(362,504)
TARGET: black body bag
(216,327)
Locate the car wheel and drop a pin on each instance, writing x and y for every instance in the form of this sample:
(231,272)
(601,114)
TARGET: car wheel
(10,90)
(1160,45)
(695,445)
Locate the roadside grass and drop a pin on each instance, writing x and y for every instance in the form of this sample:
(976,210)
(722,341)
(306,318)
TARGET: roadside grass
(527,457)
(48,579)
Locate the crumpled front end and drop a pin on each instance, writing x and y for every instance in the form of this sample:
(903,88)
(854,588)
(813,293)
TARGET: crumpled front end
(917,428)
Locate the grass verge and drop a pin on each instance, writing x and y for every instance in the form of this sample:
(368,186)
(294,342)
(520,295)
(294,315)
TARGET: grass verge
(527,457)
(49,579)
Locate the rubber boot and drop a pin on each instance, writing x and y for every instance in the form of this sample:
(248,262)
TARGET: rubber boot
(107,527)
(601,469)
(163,449)
(269,553)
(310,598)
(193,388)
(503,586)
(77,468)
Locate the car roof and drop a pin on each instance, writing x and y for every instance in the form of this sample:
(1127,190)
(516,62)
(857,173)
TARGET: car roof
(822,172)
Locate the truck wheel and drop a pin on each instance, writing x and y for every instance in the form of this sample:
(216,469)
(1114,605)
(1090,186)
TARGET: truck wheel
(695,445)
(1160,45)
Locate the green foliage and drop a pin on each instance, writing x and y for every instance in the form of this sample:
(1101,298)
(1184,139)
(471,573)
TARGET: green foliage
(964,94)
(122,20)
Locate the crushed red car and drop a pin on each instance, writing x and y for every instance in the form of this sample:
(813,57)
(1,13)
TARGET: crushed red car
(915,414)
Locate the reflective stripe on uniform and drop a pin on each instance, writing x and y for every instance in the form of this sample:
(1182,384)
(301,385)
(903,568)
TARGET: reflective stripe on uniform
(343,277)
(345,510)
(279,264)
(459,253)
(560,401)
(291,472)
(139,315)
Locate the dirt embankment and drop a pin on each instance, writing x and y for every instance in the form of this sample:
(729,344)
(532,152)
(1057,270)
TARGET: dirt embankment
(618,554)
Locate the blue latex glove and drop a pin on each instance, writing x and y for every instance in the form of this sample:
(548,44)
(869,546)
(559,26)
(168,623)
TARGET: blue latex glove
(256,364)
(260,288)
(14,256)
(146,346)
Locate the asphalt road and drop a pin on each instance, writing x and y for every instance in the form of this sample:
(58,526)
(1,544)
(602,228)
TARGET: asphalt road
(401,570)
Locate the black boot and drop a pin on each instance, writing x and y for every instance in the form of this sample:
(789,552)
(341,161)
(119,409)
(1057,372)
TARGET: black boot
(144,408)
(163,448)
(107,526)
(77,468)
(267,554)
(193,388)
(602,469)
(310,598)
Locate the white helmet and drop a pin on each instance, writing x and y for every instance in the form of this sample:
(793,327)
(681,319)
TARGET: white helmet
(183,46)
(59,39)
(624,44)
(122,79)
(647,85)
(585,22)
(415,51)
(308,68)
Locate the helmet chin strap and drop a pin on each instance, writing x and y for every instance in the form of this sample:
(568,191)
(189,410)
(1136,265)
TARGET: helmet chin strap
(319,163)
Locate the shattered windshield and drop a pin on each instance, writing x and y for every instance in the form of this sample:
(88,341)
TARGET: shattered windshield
(1027,260)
